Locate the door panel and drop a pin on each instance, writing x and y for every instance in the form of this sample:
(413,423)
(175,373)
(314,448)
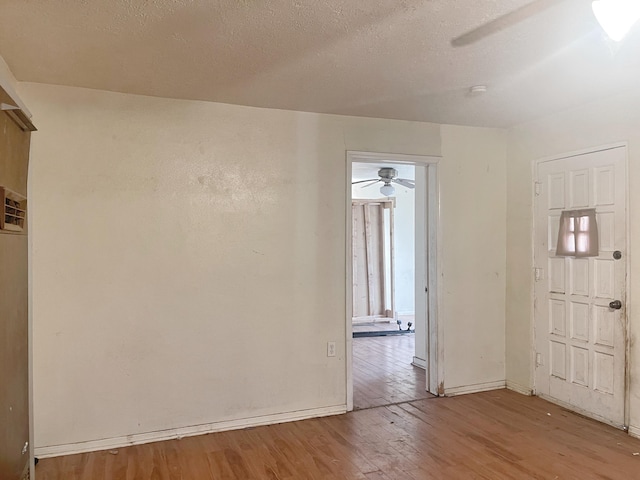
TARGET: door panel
(580,340)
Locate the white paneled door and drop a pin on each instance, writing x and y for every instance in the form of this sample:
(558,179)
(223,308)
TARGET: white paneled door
(580,313)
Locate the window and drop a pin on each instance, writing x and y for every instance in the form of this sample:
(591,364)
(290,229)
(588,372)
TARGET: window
(578,234)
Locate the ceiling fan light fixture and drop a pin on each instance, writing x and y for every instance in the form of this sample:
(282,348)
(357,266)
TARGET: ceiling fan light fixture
(616,17)
(387,190)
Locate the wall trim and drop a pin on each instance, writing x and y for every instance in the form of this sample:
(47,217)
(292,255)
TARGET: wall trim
(579,411)
(189,431)
(474,388)
(634,431)
(419,362)
(582,151)
(516,387)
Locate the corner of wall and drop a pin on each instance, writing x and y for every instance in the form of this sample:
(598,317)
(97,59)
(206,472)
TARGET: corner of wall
(519,258)
(516,387)
(10,85)
(474,167)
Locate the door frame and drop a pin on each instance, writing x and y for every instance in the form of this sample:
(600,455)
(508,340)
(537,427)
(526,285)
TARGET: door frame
(626,326)
(431,233)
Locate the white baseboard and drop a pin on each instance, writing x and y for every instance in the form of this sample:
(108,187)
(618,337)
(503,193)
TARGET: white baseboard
(419,362)
(475,388)
(579,411)
(371,319)
(634,431)
(177,433)
(516,387)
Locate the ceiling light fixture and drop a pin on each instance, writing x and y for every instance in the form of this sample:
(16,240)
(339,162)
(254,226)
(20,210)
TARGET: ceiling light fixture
(387,190)
(616,17)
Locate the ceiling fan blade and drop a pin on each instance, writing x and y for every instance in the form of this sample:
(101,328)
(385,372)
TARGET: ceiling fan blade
(372,183)
(404,182)
(503,22)
(363,181)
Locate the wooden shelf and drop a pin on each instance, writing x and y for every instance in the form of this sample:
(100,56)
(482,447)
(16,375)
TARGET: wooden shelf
(14,216)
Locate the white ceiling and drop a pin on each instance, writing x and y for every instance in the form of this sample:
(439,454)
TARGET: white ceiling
(383,58)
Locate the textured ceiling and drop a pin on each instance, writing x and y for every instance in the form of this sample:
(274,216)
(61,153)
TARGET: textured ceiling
(383,58)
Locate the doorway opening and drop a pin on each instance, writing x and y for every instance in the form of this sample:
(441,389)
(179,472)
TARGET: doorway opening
(392,296)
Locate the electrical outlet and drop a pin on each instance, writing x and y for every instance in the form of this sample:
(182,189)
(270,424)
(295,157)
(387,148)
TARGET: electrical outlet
(331,349)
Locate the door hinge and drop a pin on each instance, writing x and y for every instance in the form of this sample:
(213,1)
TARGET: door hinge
(538,274)
(537,188)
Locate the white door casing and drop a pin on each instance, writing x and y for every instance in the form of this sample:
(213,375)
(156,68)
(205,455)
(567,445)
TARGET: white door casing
(580,341)
(428,265)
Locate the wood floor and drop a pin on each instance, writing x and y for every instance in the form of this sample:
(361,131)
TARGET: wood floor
(493,435)
(383,374)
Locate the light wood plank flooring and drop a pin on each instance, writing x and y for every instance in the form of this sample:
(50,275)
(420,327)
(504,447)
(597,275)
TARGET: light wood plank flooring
(383,374)
(493,435)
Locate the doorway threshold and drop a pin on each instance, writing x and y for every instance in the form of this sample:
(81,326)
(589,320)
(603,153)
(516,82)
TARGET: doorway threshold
(382,333)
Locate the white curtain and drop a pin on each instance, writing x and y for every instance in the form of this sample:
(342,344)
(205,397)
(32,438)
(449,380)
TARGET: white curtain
(578,234)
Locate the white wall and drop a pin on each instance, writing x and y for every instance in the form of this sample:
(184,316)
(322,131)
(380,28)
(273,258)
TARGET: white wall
(189,260)
(602,122)
(404,221)
(473,212)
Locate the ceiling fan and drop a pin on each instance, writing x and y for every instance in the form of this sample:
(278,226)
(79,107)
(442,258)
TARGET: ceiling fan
(615,16)
(387,177)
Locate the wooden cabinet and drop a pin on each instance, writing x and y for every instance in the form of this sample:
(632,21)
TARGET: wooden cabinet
(14,332)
